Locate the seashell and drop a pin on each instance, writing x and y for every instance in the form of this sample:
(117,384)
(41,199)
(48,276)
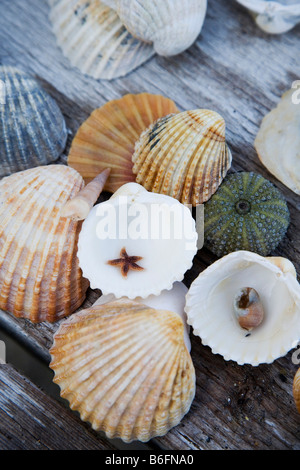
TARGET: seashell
(39,274)
(278,136)
(248,308)
(172,300)
(183,155)
(246,213)
(274,17)
(137,243)
(296,390)
(94,40)
(107,137)
(172,26)
(32,128)
(210,310)
(125,368)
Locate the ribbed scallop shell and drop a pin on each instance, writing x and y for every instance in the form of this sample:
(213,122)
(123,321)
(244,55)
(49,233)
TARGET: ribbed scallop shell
(296,389)
(210,311)
(184,156)
(94,40)
(171,25)
(32,128)
(125,368)
(279,136)
(107,138)
(39,274)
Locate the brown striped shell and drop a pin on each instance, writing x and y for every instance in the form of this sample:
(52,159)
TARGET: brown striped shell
(39,274)
(125,368)
(107,138)
(183,155)
(296,389)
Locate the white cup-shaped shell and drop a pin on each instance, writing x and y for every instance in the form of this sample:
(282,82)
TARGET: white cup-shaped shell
(156,232)
(210,308)
(125,368)
(171,25)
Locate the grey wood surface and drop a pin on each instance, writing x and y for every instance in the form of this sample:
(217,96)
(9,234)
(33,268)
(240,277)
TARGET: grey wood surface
(239,71)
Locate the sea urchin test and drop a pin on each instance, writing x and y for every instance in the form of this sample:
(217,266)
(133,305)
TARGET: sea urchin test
(137,243)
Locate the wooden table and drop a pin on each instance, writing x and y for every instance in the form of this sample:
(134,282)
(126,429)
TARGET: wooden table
(237,70)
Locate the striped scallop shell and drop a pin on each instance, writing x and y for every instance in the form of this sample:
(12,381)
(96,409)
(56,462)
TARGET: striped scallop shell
(95,41)
(171,25)
(184,156)
(125,368)
(296,390)
(32,128)
(39,274)
(107,138)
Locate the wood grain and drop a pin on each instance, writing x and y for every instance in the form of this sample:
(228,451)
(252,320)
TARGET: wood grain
(240,72)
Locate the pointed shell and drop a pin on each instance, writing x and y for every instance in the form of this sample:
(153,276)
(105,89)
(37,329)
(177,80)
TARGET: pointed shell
(107,137)
(184,156)
(95,41)
(209,307)
(274,17)
(296,389)
(32,128)
(39,274)
(155,228)
(125,368)
(171,25)
(279,136)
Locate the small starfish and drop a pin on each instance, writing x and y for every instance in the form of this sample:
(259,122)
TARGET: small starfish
(126,262)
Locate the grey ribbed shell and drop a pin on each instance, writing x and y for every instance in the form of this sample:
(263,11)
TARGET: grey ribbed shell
(32,128)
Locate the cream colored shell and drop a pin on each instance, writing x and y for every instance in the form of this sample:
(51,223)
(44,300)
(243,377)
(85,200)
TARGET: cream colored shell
(155,227)
(183,155)
(278,140)
(125,368)
(171,26)
(94,39)
(39,274)
(209,307)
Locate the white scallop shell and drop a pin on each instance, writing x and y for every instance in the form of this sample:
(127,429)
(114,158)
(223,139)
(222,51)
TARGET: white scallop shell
(279,136)
(95,41)
(171,25)
(209,307)
(156,227)
(172,300)
(274,17)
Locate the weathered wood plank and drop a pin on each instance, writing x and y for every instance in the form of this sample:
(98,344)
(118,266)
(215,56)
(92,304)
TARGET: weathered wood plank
(239,71)
(30,420)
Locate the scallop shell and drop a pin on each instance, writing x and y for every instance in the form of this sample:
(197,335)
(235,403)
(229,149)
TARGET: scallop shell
(156,229)
(94,40)
(125,368)
(183,155)
(279,136)
(296,389)
(32,128)
(39,274)
(274,17)
(107,137)
(172,300)
(209,307)
(172,25)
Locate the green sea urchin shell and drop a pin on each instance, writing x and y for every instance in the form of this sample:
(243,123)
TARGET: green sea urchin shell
(246,213)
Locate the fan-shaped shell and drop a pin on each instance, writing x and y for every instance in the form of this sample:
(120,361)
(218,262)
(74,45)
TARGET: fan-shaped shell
(125,368)
(183,155)
(95,41)
(279,136)
(296,389)
(210,307)
(39,274)
(32,128)
(171,25)
(155,231)
(107,137)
